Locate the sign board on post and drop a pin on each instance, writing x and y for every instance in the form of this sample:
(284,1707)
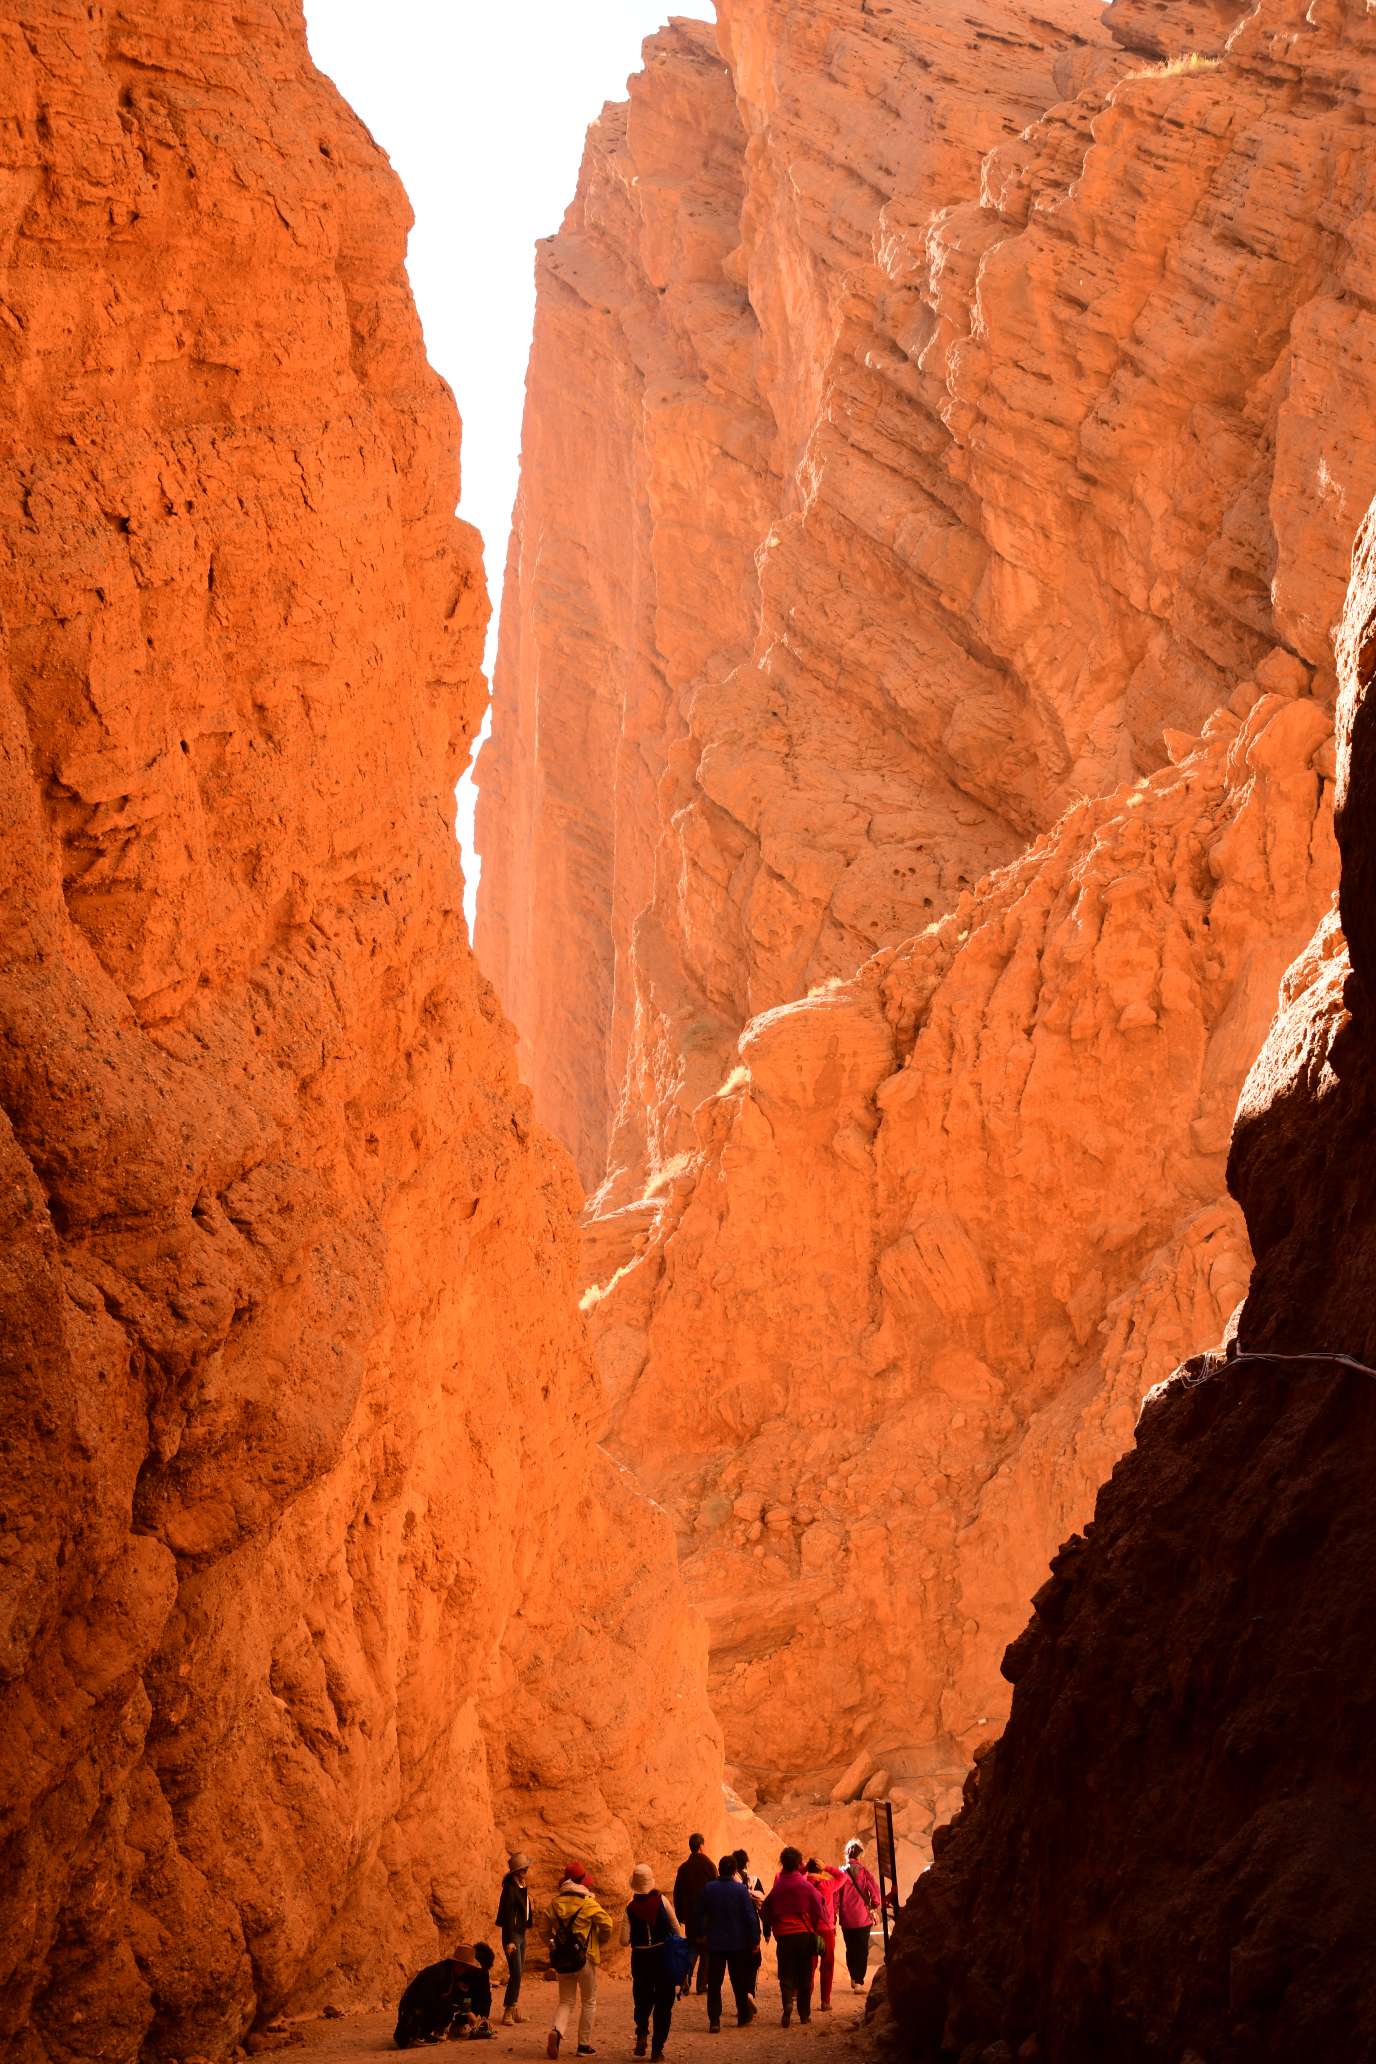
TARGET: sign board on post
(888,1864)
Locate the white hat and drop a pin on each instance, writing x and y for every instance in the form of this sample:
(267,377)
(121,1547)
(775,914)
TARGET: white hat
(642,1878)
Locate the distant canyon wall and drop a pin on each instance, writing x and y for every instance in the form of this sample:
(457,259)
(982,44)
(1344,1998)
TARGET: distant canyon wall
(316,1589)
(911,774)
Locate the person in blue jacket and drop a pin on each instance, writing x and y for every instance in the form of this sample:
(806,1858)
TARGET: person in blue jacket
(730,1927)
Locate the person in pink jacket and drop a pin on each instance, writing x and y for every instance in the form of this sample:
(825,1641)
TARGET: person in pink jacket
(857,1909)
(828,1880)
(793,1912)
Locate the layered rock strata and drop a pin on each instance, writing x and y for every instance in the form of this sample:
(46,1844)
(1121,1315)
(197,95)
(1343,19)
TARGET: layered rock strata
(316,1589)
(967,860)
(888,1330)
(1164,1856)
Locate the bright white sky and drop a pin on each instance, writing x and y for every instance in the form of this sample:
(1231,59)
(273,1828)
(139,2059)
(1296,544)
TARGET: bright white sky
(482,107)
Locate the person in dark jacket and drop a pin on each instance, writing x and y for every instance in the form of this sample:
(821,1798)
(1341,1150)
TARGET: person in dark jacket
(514,1914)
(731,1932)
(442,1994)
(648,1924)
(695,1872)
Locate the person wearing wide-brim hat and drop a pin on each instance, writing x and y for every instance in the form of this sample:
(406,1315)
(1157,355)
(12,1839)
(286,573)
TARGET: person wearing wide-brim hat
(514,1916)
(647,1924)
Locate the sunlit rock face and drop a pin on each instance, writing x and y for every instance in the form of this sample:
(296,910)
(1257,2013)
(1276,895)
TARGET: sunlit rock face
(895,964)
(316,1589)
(1166,1853)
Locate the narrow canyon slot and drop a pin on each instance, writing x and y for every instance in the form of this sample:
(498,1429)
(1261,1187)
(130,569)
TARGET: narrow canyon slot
(849,1306)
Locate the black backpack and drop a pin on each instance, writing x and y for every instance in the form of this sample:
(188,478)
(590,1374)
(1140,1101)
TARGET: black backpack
(568,1951)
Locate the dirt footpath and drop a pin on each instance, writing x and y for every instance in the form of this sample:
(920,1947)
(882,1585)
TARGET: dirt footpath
(362,2038)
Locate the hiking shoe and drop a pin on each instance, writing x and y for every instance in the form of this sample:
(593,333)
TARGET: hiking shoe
(642,2043)
(751,2010)
(656,2057)
(552,2046)
(586,2050)
(786,2017)
(714,2028)
(824,2006)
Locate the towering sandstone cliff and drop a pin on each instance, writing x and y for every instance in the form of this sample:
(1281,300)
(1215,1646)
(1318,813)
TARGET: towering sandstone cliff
(904,799)
(1166,1855)
(298,1440)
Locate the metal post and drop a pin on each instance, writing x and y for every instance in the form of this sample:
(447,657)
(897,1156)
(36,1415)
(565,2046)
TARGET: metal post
(887,1859)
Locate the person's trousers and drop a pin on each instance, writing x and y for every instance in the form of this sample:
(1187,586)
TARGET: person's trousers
(740,1966)
(828,1962)
(580,1986)
(699,1964)
(515,1964)
(653,1992)
(795,1971)
(857,1952)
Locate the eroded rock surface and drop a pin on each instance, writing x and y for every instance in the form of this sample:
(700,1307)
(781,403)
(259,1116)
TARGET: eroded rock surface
(316,1590)
(1048,366)
(1165,1855)
(886,1333)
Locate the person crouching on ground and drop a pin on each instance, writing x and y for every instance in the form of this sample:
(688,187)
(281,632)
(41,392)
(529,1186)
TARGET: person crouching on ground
(858,1907)
(440,1995)
(473,2008)
(827,1879)
(648,1923)
(578,1930)
(731,1930)
(514,1916)
(795,1913)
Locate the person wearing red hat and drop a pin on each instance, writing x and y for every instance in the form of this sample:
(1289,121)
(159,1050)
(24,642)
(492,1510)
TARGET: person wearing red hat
(578,1930)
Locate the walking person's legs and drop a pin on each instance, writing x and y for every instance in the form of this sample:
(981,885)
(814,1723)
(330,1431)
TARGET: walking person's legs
(665,1992)
(828,1967)
(515,1965)
(786,1988)
(701,1948)
(716,1971)
(807,1964)
(742,1967)
(563,2009)
(587,2007)
(857,1955)
(642,2000)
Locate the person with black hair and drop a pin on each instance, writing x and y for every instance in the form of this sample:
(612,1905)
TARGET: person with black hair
(693,1874)
(795,1912)
(731,1932)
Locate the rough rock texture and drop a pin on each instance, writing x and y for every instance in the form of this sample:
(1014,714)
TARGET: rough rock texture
(699,795)
(1051,449)
(1050,367)
(886,1333)
(315,1588)
(1167,1854)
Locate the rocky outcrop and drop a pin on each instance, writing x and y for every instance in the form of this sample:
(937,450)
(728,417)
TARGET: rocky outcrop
(316,1589)
(914,1025)
(707,784)
(888,1330)
(1165,1855)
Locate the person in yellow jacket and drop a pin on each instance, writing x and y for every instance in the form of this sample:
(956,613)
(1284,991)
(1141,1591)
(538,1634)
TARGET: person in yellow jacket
(578,1931)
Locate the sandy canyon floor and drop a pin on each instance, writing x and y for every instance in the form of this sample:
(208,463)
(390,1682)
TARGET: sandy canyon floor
(361,2036)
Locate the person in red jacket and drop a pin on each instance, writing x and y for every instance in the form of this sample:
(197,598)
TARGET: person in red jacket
(858,1907)
(794,1913)
(827,1878)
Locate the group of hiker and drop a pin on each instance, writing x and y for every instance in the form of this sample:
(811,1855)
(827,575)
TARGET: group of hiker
(708,1935)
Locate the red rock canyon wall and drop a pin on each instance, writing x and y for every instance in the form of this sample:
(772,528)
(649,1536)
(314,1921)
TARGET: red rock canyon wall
(990,776)
(1165,1855)
(316,1589)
